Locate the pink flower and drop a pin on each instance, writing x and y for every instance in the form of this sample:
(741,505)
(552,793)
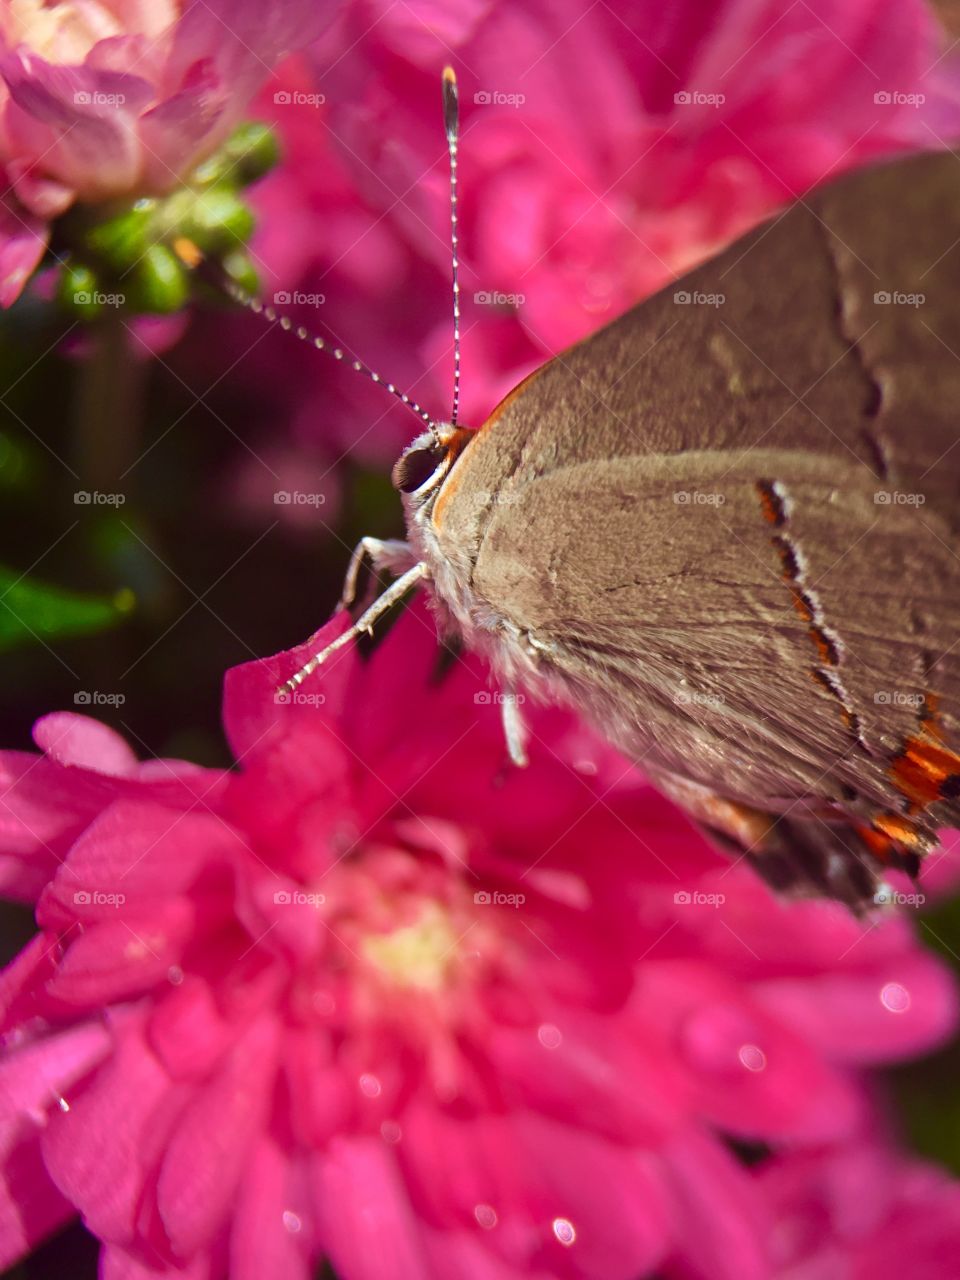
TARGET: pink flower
(604,151)
(862,1211)
(379,997)
(118,98)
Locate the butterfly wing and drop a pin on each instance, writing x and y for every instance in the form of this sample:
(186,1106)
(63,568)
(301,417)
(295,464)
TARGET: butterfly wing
(729,520)
(781,658)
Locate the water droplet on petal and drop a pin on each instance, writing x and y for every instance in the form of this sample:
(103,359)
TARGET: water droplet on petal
(895,997)
(175,975)
(550,1036)
(587,767)
(713,1037)
(564,1230)
(291,1221)
(390,1131)
(752,1057)
(369,1085)
(486,1215)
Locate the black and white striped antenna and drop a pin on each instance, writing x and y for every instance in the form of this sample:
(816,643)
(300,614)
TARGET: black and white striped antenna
(272,316)
(451,123)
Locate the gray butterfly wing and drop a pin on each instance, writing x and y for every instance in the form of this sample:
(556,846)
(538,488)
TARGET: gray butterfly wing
(798,355)
(804,598)
(712,641)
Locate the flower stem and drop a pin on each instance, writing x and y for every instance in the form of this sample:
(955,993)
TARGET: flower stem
(109,407)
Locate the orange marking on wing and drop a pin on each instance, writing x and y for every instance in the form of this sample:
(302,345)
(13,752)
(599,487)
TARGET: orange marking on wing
(925,768)
(850,720)
(825,646)
(894,841)
(787,558)
(802,606)
(749,827)
(770,503)
(900,831)
(920,771)
(880,845)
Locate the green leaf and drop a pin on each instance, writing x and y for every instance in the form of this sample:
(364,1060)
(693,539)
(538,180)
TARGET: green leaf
(32,611)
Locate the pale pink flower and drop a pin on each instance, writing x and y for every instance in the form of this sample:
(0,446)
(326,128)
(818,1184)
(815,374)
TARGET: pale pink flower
(114,99)
(379,997)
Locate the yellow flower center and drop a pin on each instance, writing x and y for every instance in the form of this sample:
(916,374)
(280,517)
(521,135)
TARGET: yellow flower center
(418,955)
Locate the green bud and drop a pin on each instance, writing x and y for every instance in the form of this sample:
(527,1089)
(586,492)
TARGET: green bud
(250,152)
(160,283)
(78,290)
(240,269)
(218,220)
(256,150)
(122,239)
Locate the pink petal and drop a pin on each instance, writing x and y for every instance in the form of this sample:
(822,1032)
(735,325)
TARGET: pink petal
(904,1007)
(35,1078)
(41,196)
(209,1148)
(179,131)
(751,1073)
(20,882)
(252,714)
(122,952)
(99,1153)
(44,808)
(23,981)
(118,1264)
(721,1229)
(272,1233)
(23,242)
(244,38)
(146,851)
(535,1173)
(187,1030)
(366,1220)
(31,1208)
(79,740)
(57,110)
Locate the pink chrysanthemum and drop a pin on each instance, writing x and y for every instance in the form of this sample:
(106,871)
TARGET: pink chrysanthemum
(379,997)
(113,99)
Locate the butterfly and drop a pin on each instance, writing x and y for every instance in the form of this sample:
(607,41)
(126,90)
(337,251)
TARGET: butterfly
(724,529)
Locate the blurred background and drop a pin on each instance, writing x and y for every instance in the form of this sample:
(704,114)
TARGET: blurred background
(180,488)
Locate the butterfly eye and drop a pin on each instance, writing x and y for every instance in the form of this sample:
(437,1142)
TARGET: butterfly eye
(416,467)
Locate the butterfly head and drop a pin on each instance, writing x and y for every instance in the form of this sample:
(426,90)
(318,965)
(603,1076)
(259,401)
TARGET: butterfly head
(424,465)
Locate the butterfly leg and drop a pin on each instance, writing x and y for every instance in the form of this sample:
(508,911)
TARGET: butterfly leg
(390,555)
(365,623)
(514,729)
